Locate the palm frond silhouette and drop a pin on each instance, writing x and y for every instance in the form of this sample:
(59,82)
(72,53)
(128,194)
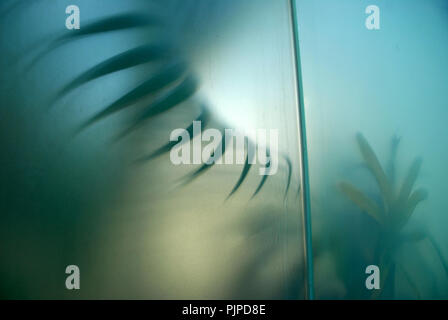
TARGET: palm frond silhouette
(392,212)
(171,85)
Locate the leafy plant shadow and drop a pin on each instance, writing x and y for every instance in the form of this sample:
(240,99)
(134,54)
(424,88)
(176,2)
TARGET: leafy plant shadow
(391,213)
(173,84)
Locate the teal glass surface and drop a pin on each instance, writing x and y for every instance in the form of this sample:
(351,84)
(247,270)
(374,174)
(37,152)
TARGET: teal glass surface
(87,178)
(377,97)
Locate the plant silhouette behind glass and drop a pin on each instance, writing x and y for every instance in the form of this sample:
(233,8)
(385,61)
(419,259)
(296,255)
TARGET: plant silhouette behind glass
(171,85)
(392,213)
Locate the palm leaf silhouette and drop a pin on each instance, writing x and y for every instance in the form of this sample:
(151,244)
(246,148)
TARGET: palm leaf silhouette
(362,201)
(169,86)
(395,211)
(397,207)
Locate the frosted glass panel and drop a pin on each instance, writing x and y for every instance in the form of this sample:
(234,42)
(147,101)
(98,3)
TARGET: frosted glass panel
(114,157)
(78,189)
(377,95)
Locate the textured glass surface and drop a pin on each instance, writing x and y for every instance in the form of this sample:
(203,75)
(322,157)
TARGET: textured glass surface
(86,176)
(389,86)
(80,197)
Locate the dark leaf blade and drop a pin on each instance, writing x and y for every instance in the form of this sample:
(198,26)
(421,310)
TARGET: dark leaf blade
(116,22)
(127,59)
(160,80)
(262,182)
(206,166)
(409,181)
(393,157)
(416,197)
(362,201)
(386,270)
(288,181)
(113,23)
(265,177)
(171,99)
(203,118)
(375,167)
(178,95)
(244,172)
